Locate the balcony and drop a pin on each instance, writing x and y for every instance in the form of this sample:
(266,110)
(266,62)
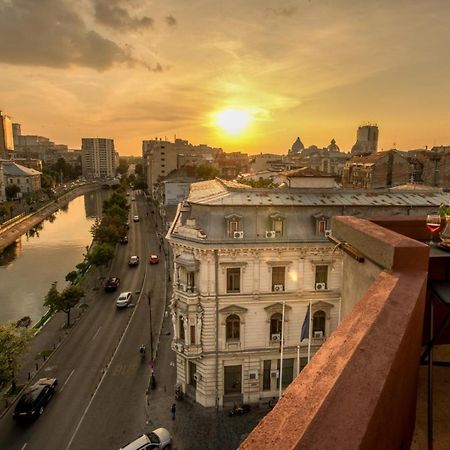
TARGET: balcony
(363,386)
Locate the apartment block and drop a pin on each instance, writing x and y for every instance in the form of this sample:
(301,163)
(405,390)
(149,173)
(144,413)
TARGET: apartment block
(98,158)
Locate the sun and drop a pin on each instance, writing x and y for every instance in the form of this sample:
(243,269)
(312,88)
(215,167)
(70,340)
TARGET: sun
(233,121)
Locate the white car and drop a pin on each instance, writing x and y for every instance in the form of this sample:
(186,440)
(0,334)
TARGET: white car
(124,299)
(136,219)
(133,261)
(157,439)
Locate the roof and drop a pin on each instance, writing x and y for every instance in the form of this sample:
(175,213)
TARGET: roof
(16,170)
(372,158)
(306,172)
(227,193)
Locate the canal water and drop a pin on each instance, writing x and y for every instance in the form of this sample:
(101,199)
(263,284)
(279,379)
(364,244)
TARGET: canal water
(46,254)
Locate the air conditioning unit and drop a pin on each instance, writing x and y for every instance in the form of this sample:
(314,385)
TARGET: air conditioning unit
(278,287)
(274,374)
(327,233)
(197,376)
(271,234)
(276,337)
(320,286)
(318,334)
(179,346)
(238,235)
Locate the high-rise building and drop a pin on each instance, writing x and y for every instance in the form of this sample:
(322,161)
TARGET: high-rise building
(6,136)
(17,132)
(98,158)
(366,140)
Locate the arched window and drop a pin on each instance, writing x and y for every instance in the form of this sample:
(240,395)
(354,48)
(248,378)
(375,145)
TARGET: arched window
(275,326)
(233,328)
(319,321)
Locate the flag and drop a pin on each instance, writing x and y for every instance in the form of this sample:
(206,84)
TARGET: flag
(305,326)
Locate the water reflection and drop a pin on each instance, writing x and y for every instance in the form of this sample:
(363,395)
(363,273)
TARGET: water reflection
(45,254)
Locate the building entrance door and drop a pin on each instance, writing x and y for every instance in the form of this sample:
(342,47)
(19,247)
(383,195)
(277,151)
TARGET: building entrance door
(232,376)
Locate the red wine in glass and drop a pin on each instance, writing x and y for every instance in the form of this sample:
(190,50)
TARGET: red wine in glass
(433,225)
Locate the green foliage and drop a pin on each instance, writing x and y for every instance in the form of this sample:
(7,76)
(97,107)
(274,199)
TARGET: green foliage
(123,166)
(11,191)
(261,183)
(47,181)
(139,170)
(3,211)
(72,276)
(65,300)
(13,341)
(101,255)
(140,183)
(206,172)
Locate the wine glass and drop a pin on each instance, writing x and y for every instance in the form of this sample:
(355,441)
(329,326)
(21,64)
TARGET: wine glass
(433,224)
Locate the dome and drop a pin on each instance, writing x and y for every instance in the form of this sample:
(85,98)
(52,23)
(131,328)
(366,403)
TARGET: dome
(297,146)
(333,147)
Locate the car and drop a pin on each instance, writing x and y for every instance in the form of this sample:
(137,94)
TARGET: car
(133,261)
(124,299)
(153,259)
(157,439)
(124,239)
(112,284)
(135,218)
(34,399)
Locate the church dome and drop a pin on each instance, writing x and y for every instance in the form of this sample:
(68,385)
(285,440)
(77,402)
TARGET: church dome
(297,146)
(333,147)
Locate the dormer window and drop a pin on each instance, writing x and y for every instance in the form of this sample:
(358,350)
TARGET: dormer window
(321,223)
(277,224)
(234,224)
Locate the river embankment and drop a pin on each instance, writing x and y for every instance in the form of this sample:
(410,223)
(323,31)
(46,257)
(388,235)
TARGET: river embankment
(10,233)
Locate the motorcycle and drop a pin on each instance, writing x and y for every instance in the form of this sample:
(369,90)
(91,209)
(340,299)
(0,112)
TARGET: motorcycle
(238,410)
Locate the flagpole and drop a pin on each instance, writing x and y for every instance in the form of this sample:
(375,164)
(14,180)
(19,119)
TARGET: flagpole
(340,310)
(281,353)
(298,359)
(309,333)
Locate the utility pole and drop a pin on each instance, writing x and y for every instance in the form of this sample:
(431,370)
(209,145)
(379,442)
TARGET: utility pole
(151,329)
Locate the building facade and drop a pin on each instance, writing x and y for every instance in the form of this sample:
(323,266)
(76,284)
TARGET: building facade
(6,136)
(98,158)
(366,140)
(240,254)
(28,180)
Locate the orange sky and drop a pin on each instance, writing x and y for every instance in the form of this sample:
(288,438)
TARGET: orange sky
(133,70)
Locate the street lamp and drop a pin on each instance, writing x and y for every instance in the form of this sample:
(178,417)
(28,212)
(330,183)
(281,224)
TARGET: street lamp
(150,325)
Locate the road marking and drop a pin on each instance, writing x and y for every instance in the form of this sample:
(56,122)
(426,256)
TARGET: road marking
(107,367)
(67,379)
(24,445)
(95,335)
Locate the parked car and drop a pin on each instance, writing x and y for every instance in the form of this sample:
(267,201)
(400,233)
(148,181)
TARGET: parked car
(154,259)
(124,299)
(112,284)
(157,439)
(124,240)
(135,218)
(133,261)
(35,398)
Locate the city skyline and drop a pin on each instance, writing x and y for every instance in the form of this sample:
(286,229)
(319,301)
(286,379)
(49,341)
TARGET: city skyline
(132,71)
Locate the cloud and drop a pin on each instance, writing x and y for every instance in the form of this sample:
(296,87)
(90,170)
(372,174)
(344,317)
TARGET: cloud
(171,21)
(112,14)
(282,12)
(51,33)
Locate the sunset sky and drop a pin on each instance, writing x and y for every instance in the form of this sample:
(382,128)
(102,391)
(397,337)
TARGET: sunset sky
(138,69)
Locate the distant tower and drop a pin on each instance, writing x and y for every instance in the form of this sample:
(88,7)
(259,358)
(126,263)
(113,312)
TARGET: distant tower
(6,136)
(366,140)
(297,147)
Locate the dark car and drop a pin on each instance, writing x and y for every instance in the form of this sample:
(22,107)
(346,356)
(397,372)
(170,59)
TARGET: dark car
(112,284)
(124,240)
(35,398)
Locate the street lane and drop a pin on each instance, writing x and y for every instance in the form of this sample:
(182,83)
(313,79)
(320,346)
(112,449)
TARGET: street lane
(79,362)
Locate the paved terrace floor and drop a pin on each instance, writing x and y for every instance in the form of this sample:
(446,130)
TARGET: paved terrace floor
(441,401)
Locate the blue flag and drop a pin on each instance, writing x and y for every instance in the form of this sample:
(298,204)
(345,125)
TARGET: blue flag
(305,326)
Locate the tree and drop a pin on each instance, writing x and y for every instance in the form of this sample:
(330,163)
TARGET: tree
(65,300)
(11,191)
(72,276)
(138,170)
(3,211)
(101,255)
(13,341)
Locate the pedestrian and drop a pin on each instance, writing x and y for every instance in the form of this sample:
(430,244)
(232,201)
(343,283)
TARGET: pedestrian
(173,410)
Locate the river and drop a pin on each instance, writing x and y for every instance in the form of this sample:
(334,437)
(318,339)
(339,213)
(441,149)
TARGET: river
(46,254)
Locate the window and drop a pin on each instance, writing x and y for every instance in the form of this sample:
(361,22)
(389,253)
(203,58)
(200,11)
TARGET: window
(321,227)
(288,372)
(266,375)
(278,278)
(319,322)
(192,329)
(275,326)
(181,328)
(278,227)
(234,279)
(322,276)
(233,328)
(233,225)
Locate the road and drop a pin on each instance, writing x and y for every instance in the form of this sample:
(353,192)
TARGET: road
(102,381)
